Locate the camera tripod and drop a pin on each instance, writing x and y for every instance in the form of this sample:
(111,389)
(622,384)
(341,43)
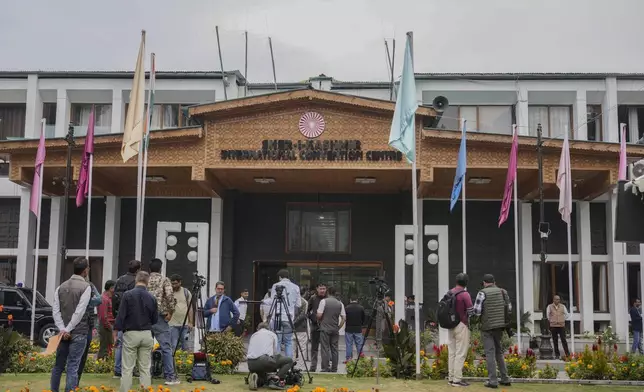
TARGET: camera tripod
(200,330)
(379,307)
(280,304)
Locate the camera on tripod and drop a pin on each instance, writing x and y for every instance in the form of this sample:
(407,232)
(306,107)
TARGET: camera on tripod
(199,281)
(381,286)
(279,291)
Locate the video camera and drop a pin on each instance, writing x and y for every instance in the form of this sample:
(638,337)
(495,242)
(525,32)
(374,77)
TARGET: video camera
(199,281)
(381,286)
(279,290)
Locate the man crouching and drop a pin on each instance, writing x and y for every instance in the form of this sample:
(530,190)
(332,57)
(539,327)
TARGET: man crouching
(264,358)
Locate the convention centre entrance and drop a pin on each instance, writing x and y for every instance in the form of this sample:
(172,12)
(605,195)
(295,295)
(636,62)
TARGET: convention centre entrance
(348,277)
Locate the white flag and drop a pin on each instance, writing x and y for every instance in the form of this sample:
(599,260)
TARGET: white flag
(135,120)
(564,182)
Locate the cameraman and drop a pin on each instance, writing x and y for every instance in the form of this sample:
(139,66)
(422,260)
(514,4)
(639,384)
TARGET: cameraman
(291,295)
(314,304)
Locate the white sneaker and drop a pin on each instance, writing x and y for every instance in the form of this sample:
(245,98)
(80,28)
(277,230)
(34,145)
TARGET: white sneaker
(252,381)
(173,382)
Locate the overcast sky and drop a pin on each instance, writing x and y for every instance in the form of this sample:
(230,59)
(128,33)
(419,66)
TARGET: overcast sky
(341,38)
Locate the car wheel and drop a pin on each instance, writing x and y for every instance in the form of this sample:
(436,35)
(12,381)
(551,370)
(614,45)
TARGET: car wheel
(47,332)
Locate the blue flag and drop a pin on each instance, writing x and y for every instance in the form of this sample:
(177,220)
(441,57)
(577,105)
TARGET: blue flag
(402,136)
(461,168)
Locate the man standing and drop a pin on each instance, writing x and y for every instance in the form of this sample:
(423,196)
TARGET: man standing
(94,301)
(314,304)
(331,315)
(161,288)
(493,305)
(137,314)
(265,307)
(123,283)
(458,338)
(636,322)
(557,316)
(220,312)
(242,306)
(302,331)
(353,331)
(183,298)
(70,315)
(291,293)
(106,321)
(264,357)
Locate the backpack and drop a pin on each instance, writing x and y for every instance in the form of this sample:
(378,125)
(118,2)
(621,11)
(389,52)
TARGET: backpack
(122,285)
(446,314)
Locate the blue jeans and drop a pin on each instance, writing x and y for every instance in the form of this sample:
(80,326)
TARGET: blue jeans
(637,342)
(285,337)
(175,338)
(118,350)
(68,355)
(81,367)
(161,332)
(349,339)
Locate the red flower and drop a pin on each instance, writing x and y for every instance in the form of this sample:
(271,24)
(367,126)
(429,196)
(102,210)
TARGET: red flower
(516,348)
(623,358)
(595,348)
(436,349)
(510,350)
(529,353)
(615,346)
(599,340)
(476,343)
(361,355)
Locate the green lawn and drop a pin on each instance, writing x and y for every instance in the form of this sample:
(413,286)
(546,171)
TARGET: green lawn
(39,382)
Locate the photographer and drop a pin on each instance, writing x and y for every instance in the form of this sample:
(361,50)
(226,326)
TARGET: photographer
(291,293)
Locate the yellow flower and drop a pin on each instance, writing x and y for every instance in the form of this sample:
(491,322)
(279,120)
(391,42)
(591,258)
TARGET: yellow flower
(524,367)
(189,362)
(422,353)
(590,366)
(633,364)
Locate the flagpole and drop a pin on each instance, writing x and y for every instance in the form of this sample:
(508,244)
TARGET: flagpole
(570,286)
(34,288)
(516,252)
(146,145)
(89,204)
(417,247)
(464,224)
(137,247)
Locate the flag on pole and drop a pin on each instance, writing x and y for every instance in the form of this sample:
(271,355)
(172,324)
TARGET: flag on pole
(622,153)
(461,168)
(564,182)
(510,178)
(402,136)
(36,190)
(83,180)
(134,120)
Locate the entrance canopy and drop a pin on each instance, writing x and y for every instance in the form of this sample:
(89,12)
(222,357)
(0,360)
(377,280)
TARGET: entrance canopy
(311,141)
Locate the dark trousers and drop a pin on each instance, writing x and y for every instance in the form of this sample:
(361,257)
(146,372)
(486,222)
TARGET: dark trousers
(494,355)
(329,343)
(84,357)
(559,332)
(315,345)
(106,340)
(265,364)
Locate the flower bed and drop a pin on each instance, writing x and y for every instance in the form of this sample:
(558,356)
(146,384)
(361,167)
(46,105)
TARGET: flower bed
(603,363)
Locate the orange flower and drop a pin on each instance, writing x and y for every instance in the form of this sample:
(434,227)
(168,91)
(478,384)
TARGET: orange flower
(10,317)
(391,303)
(396,328)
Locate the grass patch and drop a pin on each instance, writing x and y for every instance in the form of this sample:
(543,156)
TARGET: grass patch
(39,382)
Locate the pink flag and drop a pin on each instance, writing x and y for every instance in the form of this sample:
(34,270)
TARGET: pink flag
(510,179)
(564,182)
(36,191)
(622,153)
(83,180)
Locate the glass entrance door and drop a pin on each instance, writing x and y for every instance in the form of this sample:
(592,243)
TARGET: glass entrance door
(348,278)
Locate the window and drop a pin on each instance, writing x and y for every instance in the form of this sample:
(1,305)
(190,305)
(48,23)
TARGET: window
(49,114)
(12,120)
(167,116)
(633,117)
(553,120)
(594,118)
(11,298)
(600,287)
(324,228)
(489,119)
(557,283)
(8,270)
(41,302)
(102,118)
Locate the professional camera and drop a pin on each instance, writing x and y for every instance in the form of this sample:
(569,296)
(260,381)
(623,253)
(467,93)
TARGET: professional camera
(279,290)
(199,280)
(381,286)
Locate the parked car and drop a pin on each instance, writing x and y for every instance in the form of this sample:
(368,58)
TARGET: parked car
(17,302)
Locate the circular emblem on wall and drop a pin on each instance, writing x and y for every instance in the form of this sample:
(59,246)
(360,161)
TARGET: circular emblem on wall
(311,125)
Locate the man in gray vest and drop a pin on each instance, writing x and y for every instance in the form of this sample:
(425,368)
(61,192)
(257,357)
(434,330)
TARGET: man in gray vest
(493,305)
(331,316)
(70,315)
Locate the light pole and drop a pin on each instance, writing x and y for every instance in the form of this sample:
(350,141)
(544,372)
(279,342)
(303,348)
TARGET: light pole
(545,346)
(69,138)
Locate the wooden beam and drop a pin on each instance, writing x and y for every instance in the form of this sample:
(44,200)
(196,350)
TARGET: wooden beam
(104,184)
(211,185)
(535,192)
(591,190)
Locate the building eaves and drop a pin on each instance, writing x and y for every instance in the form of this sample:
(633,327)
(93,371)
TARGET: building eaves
(280,86)
(526,76)
(120,75)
